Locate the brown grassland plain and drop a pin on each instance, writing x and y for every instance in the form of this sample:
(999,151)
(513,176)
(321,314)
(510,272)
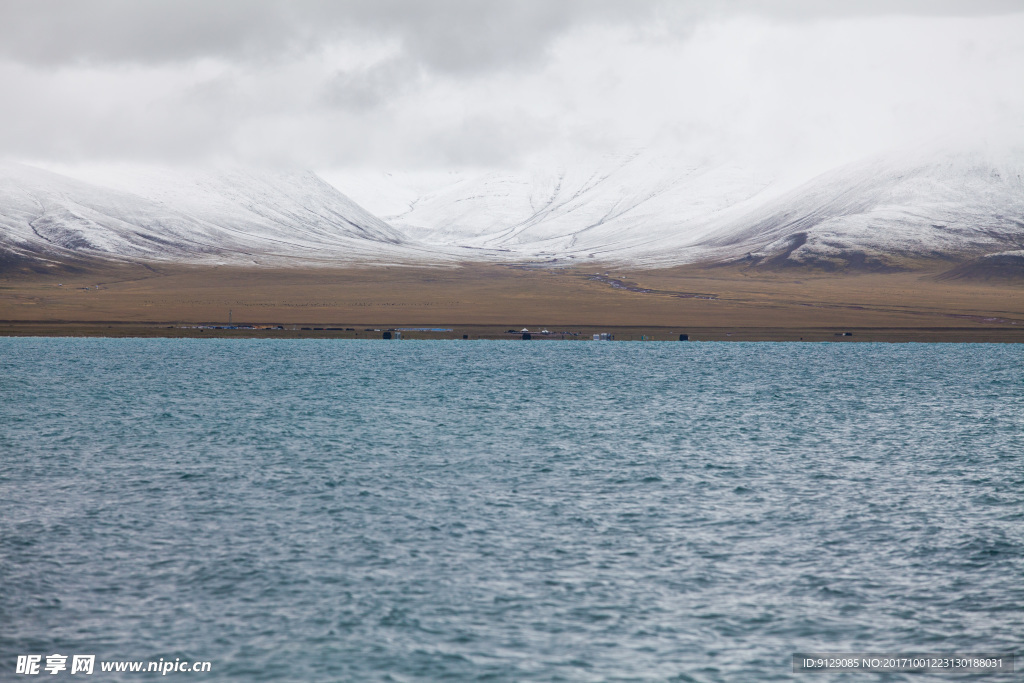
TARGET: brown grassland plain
(486,300)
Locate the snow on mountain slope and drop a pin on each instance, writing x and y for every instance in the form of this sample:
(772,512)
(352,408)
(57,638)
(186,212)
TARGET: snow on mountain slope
(646,210)
(229,216)
(42,213)
(290,206)
(620,206)
(650,209)
(947,205)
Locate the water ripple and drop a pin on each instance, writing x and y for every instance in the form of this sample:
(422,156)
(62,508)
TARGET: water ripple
(407,511)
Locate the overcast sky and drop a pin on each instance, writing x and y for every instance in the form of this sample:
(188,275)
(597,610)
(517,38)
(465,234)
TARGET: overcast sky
(437,84)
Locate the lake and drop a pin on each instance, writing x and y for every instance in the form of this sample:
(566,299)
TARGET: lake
(317,510)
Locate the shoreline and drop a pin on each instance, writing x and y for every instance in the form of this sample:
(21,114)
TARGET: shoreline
(363,331)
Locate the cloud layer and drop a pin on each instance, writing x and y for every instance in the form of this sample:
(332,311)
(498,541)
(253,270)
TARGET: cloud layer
(412,84)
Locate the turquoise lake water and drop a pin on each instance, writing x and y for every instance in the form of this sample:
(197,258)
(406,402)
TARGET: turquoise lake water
(507,511)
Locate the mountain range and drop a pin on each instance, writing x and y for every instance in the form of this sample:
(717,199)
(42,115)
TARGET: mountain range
(962,209)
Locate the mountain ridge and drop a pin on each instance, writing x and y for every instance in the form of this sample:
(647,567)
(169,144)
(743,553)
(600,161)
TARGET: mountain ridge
(645,209)
(194,216)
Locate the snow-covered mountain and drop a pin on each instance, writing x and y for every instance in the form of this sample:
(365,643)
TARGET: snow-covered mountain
(885,211)
(650,209)
(237,216)
(616,207)
(645,209)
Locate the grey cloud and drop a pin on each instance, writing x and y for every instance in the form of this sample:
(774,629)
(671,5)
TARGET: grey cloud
(455,35)
(370,87)
(814,9)
(69,31)
(460,36)
(449,35)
